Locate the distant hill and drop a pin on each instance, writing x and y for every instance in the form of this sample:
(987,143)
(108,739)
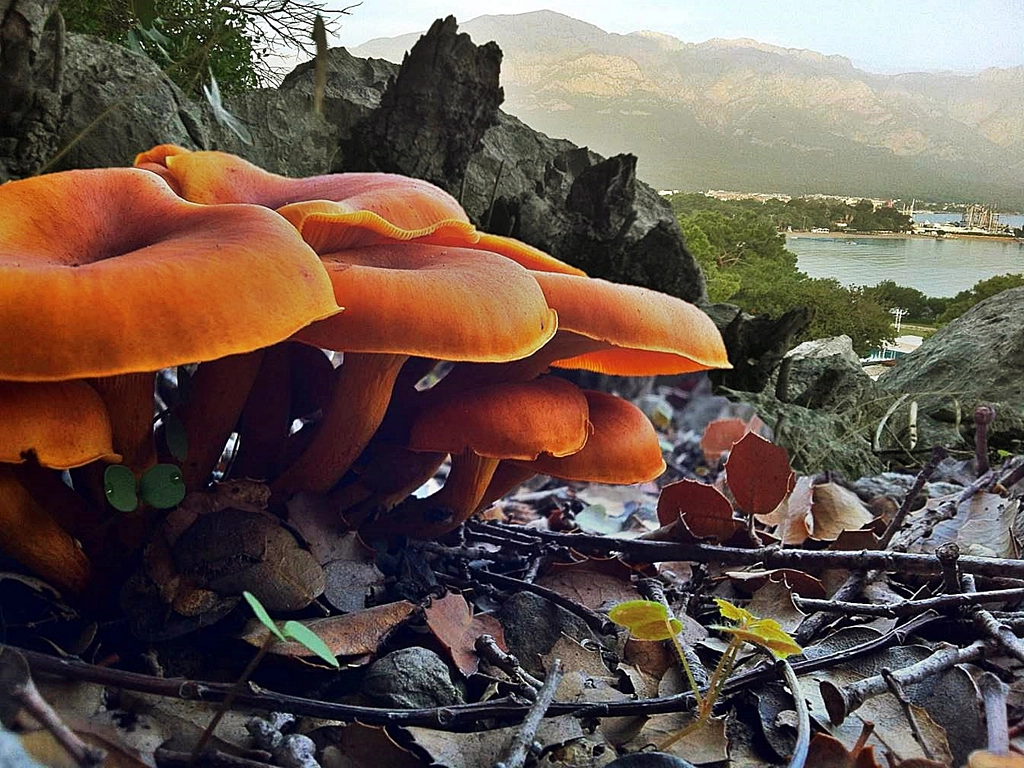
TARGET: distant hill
(739,114)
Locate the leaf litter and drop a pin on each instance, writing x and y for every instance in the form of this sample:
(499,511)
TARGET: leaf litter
(617,694)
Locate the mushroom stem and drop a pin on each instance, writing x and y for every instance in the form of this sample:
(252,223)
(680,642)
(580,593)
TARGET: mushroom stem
(266,418)
(34,539)
(359,400)
(506,477)
(219,391)
(129,401)
(445,510)
(392,473)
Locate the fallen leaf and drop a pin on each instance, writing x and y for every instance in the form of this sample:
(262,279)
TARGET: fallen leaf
(707,744)
(799,582)
(351,634)
(828,752)
(719,437)
(452,622)
(836,509)
(758,474)
(704,510)
(471,750)
(590,586)
(261,556)
(791,518)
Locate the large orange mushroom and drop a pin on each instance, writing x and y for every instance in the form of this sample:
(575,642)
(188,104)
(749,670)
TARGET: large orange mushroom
(402,300)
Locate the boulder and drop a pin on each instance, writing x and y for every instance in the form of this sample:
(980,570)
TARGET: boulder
(825,373)
(976,359)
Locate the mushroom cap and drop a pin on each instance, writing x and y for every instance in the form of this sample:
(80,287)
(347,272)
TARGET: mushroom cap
(340,210)
(334,226)
(520,420)
(648,333)
(107,271)
(63,423)
(218,177)
(623,449)
(433,301)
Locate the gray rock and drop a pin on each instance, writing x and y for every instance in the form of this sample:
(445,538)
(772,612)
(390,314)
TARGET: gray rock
(818,440)
(826,373)
(976,359)
(411,678)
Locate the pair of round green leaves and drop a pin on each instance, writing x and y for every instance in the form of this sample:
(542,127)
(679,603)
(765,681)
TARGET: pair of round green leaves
(161,486)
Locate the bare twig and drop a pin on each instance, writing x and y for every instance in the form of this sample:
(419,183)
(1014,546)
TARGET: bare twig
(909,607)
(803,716)
(840,702)
(519,748)
(16,678)
(813,561)
(938,454)
(488,649)
(896,689)
(993,694)
(948,554)
(983,417)
(653,590)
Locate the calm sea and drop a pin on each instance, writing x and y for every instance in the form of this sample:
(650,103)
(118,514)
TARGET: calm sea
(935,267)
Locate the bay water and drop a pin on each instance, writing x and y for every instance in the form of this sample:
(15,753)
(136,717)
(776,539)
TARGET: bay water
(936,267)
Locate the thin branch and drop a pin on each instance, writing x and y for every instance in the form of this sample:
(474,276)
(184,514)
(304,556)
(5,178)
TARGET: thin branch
(519,748)
(909,607)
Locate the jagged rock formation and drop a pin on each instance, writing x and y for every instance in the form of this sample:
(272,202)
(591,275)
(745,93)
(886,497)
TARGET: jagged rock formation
(976,359)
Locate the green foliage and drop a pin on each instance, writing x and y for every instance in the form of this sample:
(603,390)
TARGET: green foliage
(920,307)
(981,290)
(188,38)
(745,261)
(801,213)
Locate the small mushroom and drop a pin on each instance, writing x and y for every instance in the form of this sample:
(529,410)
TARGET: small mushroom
(623,450)
(480,428)
(57,425)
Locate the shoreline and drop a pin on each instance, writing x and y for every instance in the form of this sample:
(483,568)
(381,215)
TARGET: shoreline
(838,235)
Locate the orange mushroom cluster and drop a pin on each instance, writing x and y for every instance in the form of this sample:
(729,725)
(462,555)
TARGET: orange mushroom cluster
(108,276)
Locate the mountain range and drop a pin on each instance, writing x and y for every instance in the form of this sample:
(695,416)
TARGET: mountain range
(743,115)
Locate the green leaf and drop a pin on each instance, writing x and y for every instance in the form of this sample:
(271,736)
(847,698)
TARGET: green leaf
(308,639)
(134,44)
(645,619)
(119,487)
(176,437)
(145,12)
(262,615)
(162,486)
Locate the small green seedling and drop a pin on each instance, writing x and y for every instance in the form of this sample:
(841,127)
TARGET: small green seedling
(161,486)
(649,620)
(290,630)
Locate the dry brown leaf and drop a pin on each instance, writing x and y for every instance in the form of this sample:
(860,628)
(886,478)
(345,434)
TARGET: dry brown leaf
(362,746)
(775,601)
(792,516)
(758,474)
(452,622)
(263,558)
(704,510)
(799,582)
(719,437)
(708,744)
(351,634)
(828,752)
(836,509)
(588,584)
(471,750)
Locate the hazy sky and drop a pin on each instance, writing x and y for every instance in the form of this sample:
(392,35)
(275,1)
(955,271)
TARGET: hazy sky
(878,35)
